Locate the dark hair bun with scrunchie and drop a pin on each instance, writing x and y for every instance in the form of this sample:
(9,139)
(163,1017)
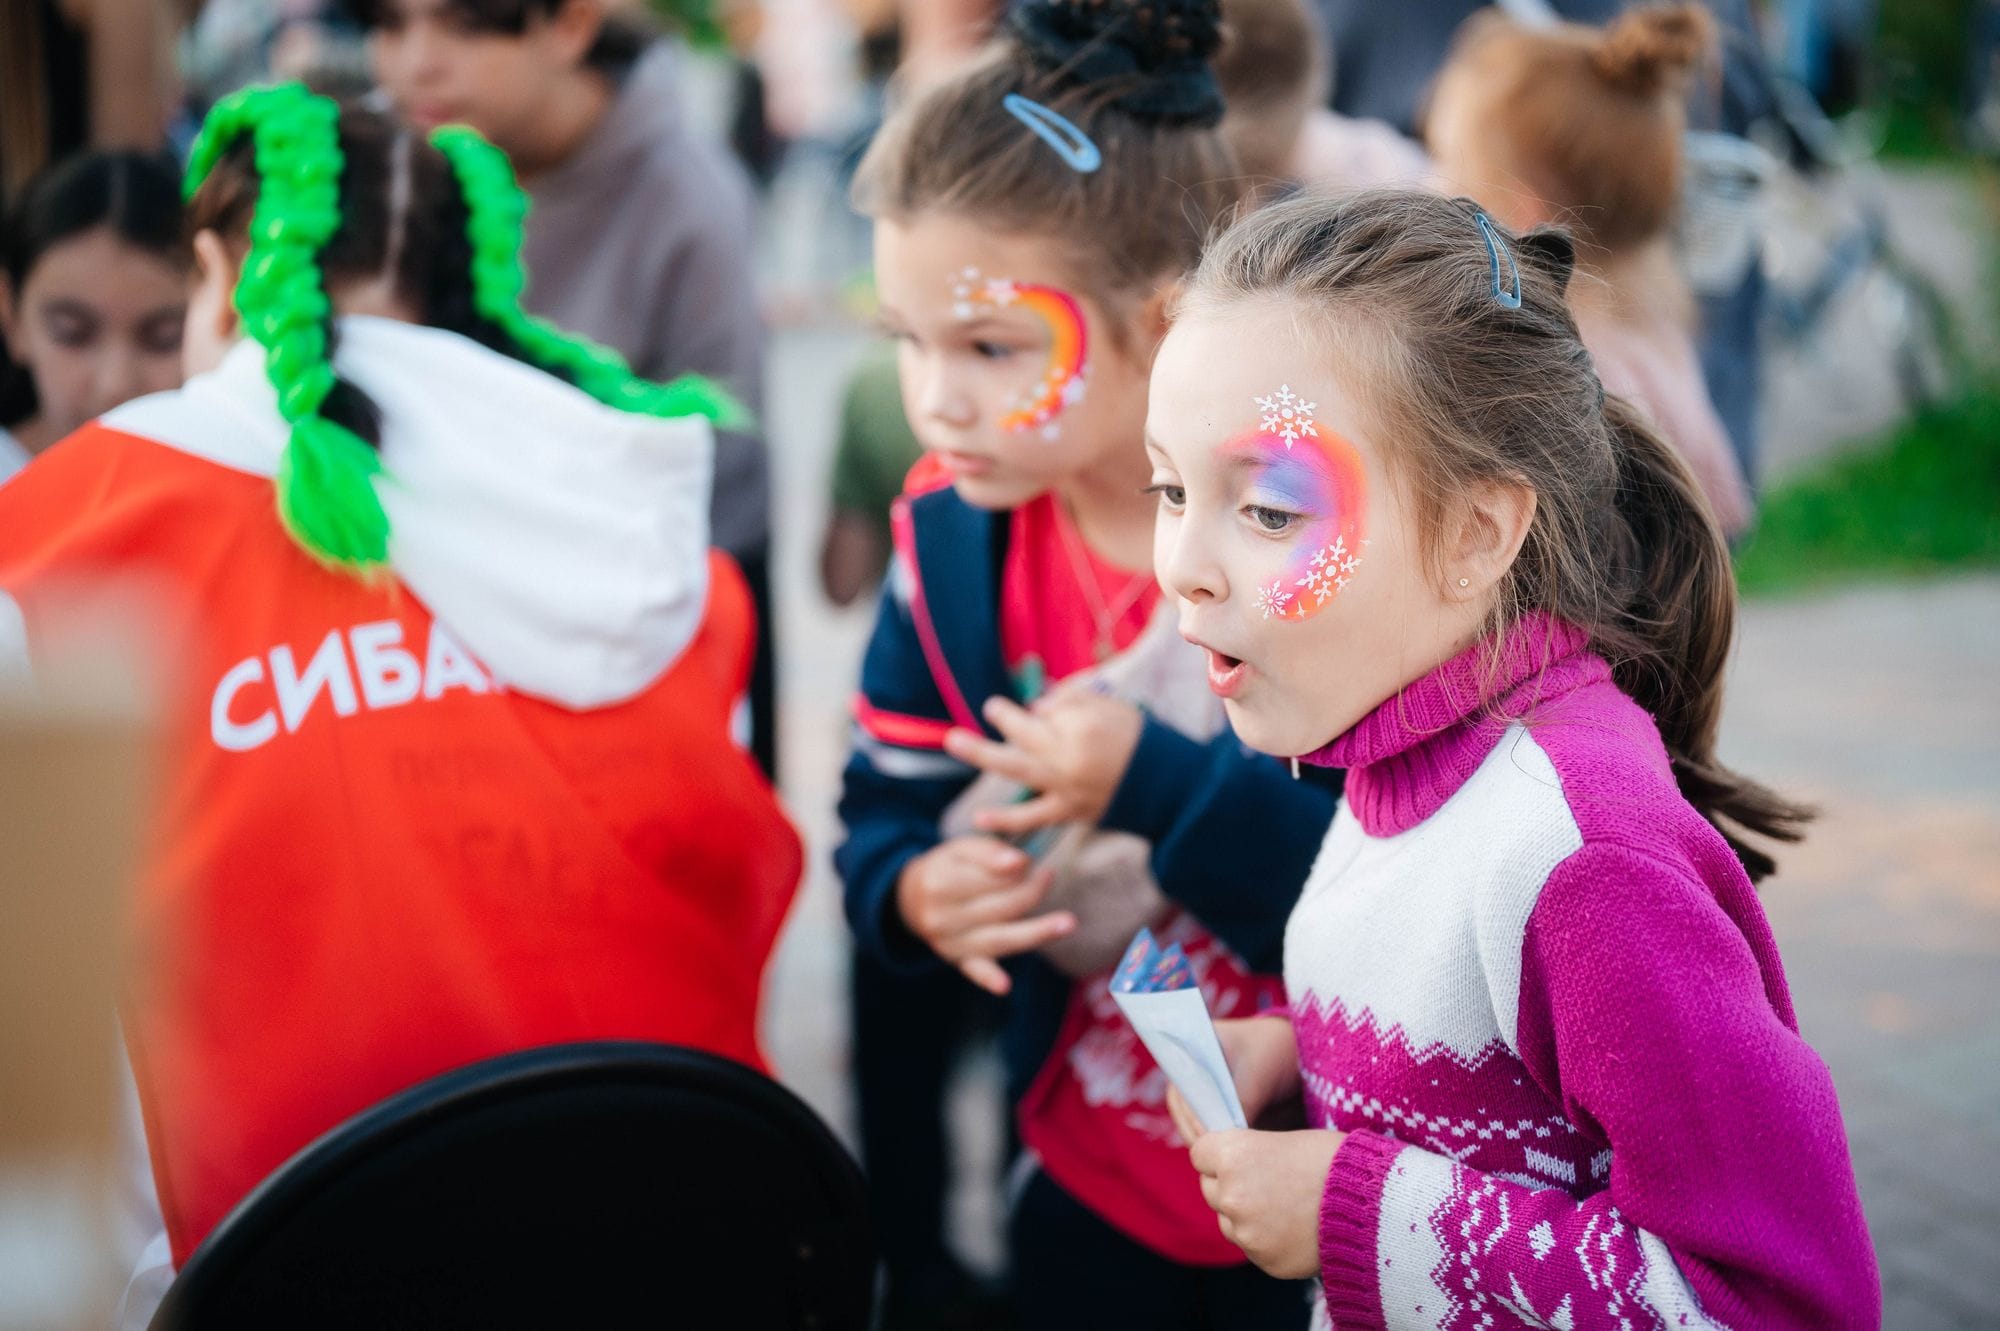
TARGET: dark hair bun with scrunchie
(1162,48)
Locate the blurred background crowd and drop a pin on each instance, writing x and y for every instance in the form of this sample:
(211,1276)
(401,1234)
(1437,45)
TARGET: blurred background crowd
(688,162)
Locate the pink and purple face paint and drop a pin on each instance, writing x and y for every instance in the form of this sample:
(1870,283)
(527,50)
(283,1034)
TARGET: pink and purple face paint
(1062,382)
(1302,467)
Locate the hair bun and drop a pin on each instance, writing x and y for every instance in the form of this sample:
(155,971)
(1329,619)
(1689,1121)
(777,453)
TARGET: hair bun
(1162,47)
(1653,49)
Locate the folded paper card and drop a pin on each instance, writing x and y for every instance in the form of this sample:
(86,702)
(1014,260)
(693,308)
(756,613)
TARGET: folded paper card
(1155,988)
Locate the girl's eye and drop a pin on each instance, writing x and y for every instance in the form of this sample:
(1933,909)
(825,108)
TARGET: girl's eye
(1273,520)
(161,335)
(67,328)
(1171,496)
(992,350)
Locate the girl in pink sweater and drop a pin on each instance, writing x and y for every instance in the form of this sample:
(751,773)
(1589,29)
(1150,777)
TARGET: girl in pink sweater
(1539,1025)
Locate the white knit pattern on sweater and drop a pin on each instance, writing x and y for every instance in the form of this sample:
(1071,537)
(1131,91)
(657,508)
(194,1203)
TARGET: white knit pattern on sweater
(1423,929)
(1406,951)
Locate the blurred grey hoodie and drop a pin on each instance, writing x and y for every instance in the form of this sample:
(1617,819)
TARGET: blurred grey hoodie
(643,241)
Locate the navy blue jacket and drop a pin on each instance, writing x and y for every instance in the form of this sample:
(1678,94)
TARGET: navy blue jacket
(1233,834)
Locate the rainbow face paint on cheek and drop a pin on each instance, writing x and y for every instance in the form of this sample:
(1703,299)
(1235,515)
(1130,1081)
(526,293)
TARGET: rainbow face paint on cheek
(1302,468)
(1062,381)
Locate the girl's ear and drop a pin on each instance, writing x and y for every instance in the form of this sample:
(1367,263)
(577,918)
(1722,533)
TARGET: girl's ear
(214,296)
(574,26)
(1492,525)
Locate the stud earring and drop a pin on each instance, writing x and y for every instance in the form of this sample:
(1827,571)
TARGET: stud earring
(1465,582)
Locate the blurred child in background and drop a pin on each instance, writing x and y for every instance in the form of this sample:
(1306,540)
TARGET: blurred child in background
(1583,126)
(1274,71)
(93,292)
(874,452)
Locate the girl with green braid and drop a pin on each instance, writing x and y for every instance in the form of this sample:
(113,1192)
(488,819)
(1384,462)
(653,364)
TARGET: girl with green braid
(450,755)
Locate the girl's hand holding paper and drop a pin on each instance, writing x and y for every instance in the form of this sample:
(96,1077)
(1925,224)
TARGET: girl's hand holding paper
(1266,1188)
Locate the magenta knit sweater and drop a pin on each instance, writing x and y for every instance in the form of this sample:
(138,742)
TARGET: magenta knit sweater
(1538,992)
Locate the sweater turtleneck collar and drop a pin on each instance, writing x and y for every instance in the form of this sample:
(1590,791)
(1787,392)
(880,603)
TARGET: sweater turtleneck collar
(1412,753)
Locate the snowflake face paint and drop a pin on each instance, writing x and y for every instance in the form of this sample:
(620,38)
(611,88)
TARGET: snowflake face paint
(1304,469)
(1062,382)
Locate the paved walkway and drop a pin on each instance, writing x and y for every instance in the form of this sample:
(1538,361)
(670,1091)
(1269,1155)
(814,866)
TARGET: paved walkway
(1883,705)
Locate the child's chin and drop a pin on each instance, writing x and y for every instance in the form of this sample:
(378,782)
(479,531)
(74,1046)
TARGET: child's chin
(993,492)
(1252,727)
(1259,729)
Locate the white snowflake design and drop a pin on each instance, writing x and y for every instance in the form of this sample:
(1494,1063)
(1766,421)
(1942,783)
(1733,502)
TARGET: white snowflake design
(969,291)
(1328,571)
(1273,599)
(1287,414)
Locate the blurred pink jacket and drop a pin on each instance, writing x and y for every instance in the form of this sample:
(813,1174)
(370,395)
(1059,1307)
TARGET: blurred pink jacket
(1653,362)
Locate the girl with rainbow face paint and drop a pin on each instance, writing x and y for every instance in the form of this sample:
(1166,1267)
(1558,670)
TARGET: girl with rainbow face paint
(1016,379)
(1281,536)
(1029,728)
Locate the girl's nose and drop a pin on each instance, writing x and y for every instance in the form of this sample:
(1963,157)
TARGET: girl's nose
(1187,565)
(941,399)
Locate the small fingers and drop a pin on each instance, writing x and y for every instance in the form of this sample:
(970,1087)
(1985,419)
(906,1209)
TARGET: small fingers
(1000,759)
(1016,819)
(1185,1121)
(1015,723)
(1004,940)
(988,974)
(1000,905)
(976,866)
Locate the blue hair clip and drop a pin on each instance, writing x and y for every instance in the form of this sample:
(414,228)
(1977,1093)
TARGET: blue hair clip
(1495,247)
(1071,144)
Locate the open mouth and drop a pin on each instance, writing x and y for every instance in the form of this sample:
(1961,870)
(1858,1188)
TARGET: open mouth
(1226,673)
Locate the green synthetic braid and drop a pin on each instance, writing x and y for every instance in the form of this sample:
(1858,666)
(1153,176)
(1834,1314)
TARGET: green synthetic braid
(326,476)
(496,208)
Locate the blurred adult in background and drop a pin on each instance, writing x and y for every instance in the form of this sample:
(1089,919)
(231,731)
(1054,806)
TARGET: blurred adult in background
(83,73)
(640,234)
(1582,126)
(93,292)
(1826,48)
(234,43)
(1274,73)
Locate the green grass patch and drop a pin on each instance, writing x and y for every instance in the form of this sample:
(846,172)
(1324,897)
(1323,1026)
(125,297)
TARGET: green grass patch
(1925,499)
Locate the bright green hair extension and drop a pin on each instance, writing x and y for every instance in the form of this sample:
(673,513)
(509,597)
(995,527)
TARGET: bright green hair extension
(496,207)
(326,477)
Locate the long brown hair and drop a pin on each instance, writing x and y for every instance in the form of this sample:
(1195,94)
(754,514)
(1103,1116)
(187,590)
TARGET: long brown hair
(1590,119)
(1469,393)
(1132,76)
